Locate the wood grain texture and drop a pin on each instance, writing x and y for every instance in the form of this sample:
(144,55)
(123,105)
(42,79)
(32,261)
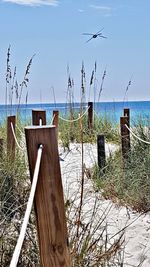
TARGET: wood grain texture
(49,201)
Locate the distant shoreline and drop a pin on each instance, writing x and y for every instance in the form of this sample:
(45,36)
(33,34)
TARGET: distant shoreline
(57,103)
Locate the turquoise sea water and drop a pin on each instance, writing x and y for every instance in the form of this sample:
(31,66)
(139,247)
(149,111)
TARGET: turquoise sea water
(112,110)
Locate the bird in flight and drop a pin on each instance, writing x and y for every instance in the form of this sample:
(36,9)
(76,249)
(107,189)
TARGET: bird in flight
(95,35)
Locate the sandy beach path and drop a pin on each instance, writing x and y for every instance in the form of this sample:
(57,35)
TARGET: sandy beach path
(137,234)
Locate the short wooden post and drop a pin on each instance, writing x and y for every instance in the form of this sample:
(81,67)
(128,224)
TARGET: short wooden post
(126,112)
(11,121)
(55,120)
(49,201)
(127,115)
(38,117)
(55,117)
(1,147)
(125,137)
(101,151)
(90,115)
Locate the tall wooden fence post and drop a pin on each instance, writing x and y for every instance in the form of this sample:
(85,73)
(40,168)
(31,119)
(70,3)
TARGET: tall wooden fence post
(11,121)
(90,115)
(125,137)
(38,117)
(101,151)
(49,201)
(55,120)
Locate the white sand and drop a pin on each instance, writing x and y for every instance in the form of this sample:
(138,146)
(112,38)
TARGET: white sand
(137,234)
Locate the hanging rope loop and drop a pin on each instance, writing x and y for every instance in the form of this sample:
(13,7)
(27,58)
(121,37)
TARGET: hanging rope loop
(52,119)
(14,135)
(137,137)
(19,244)
(75,119)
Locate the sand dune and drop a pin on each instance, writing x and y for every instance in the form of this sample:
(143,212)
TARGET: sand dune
(137,242)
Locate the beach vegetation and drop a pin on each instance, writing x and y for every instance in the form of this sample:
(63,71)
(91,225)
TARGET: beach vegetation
(69,131)
(126,181)
(87,231)
(123,181)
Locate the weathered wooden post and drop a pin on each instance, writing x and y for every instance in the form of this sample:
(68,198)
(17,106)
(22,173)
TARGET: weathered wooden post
(90,115)
(11,121)
(49,201)
(55,117)
(1,147)
(38,117)
(126,112)
(127,115)
(125,137)
(55,120)
(101,151)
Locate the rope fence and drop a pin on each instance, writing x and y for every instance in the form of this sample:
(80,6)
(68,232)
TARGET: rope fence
(137,137)
(18,247)
(21,132)
(19,244)
(52,119)
(22,140)
(40,122)
(80,117)
(15,138)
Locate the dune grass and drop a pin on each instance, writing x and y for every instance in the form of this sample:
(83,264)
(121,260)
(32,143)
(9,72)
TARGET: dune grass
(127,181)
(88,240)
(70,132)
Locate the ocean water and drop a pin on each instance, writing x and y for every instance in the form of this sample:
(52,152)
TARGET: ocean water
(111,110)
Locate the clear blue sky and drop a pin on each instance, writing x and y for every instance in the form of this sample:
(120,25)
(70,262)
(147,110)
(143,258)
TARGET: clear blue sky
(53,31)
